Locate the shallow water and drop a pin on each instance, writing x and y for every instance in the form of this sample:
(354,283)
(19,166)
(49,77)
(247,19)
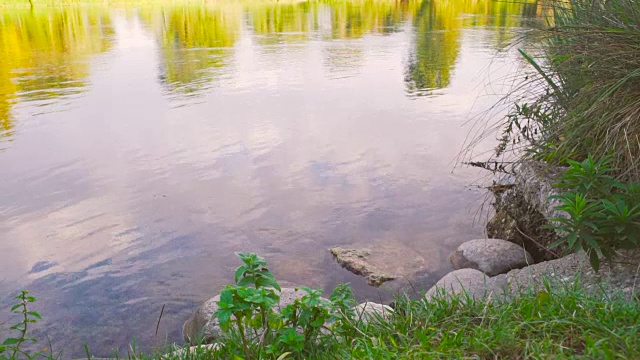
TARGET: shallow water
(141,147)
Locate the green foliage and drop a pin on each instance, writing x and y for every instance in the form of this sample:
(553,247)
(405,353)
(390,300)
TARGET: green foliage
(247,312)
(558,322)
(580,94)
(11,347)
(603,213)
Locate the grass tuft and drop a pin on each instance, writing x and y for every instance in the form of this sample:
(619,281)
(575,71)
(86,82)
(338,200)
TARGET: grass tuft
(582,93)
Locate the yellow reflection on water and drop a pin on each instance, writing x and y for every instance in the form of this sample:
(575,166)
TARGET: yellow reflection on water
(45,54)
(206,30)
(45,51)
(438,24)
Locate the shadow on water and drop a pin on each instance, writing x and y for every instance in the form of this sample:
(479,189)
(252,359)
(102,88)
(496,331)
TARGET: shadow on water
(142,147)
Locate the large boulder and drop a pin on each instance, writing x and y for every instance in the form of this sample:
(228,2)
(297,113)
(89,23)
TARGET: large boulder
(370,311)
(491,256)
(202,325)
(470,281)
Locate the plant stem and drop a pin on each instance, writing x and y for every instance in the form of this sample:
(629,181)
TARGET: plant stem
(25,321)
(244,339)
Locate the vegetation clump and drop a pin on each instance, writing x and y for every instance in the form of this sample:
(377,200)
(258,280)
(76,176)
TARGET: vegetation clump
(584,96)
(247,312)
(578,109)
(603,213)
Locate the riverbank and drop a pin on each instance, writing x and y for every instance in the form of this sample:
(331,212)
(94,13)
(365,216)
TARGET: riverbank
(561,323)
(557,309)
(561,310)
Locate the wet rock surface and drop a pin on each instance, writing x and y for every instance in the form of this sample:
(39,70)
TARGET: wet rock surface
(491,256)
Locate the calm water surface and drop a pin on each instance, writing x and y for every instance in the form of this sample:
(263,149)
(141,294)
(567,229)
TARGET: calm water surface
(141,147)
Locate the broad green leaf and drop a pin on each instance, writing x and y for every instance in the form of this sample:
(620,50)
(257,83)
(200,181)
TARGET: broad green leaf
(239,272)
(10,341)
(247,280)
(34,314)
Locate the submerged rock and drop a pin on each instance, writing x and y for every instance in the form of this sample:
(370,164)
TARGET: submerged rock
(491,256)
(202,324)
(356,261)
(475,283)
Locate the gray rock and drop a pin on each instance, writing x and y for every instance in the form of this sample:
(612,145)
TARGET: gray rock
(370,311)
(491,256)
(202,325)
(475,283)
(621,277)
(356,261)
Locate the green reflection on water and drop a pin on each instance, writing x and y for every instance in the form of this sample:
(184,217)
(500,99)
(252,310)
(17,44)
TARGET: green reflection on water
(46,51)
(192,42)
(438,25)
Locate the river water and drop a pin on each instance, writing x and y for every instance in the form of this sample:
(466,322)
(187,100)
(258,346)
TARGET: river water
(140,147)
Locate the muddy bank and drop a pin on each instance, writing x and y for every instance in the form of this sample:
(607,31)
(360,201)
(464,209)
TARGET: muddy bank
(522,206)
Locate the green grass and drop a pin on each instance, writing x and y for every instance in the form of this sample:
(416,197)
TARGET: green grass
(582,93)
(563,324)
(593,54)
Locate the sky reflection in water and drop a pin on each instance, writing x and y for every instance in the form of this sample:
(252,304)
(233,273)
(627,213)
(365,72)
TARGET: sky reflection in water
(141,147)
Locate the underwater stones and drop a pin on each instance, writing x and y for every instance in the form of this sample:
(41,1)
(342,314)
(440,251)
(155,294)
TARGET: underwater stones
(357,261)
(491,256)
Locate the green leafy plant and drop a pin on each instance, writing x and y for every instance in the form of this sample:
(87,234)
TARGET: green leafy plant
(603,214)
(247,311)
(11,347)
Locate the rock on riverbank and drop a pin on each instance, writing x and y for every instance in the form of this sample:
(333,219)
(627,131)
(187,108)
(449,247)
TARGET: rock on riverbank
(618,278)
(491,256)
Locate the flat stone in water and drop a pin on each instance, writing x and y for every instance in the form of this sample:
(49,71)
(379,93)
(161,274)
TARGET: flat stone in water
(355,260)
